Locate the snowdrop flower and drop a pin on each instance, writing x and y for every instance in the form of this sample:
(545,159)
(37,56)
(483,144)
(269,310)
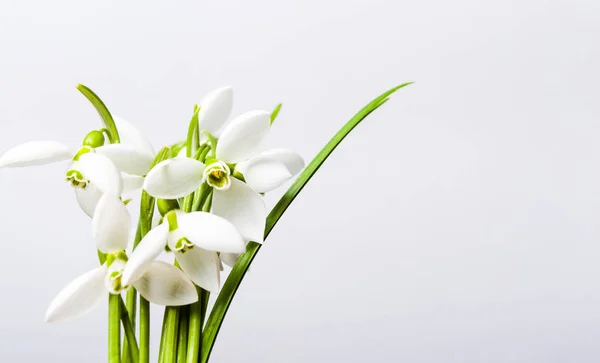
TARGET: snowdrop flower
(95,167)
(235,158)
(195,238)
(159,282)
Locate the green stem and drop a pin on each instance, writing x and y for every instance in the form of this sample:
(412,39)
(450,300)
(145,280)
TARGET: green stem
(200,196)
(195,327)
(207,205)
(171,329)
(114,329)
(144,330)
(132,354)
(130,309)
(204,154)
(163,338)
(102,110)
(182,341)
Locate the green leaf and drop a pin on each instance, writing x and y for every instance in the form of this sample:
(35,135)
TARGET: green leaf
(239,270)
(192,135)
(275,113)
(105,115)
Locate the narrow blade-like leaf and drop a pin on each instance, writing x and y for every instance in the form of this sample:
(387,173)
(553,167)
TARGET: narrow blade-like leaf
(237,274)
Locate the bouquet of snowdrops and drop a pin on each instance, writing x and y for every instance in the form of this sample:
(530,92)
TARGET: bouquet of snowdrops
(201,201)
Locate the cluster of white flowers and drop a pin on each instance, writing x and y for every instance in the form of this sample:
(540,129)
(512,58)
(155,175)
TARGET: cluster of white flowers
(222,180)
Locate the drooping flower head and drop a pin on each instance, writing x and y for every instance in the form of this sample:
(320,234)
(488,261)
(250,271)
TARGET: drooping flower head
(235,170)
(96,167)
(159,282)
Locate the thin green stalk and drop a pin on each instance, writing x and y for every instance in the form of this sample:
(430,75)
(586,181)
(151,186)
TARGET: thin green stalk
(200,196)
(208,202)
(204,154)
(196,319)
(144,330)
(145,224)
(114,329)
(133,353)
(171,330)
(102,110)
(182,340)
(219,310)
(163,338)
(131,308)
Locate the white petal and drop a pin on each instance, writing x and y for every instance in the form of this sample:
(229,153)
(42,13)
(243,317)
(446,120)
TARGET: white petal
(147,250)
(202,267)
(215,107)
(229,258)
(211,232)
(35,153)
(131,183)
(88,198)
(79,297)
(99,170)
(242,136)
(174,178)
(264,175)
(111,225)
(270,169)
(243,207)
(292,160)
(127,159)
(131,135)
(165,284)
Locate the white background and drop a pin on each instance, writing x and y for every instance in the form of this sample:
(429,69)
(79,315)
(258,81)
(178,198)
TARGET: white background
(459,223)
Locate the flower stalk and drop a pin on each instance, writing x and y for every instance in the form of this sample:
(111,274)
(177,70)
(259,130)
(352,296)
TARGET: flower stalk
(114,329)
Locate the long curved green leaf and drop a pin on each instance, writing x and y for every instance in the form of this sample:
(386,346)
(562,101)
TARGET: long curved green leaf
(107,119)
(239,270)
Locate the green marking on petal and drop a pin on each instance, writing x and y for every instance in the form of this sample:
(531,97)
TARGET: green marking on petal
(183,245)
(76,178)
(217,175)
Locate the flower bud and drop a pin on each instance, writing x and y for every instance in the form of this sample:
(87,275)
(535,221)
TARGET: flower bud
(94,139)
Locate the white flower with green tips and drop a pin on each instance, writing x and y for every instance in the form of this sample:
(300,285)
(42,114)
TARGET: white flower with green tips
(160,283)
(236,171)
(194,238)
(96,167)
